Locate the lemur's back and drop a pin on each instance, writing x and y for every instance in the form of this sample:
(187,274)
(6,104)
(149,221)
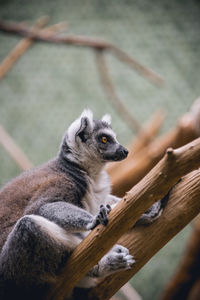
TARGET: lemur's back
(19,195)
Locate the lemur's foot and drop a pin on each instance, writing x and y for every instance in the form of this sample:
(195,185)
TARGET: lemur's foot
(102,216)
(117,259)
(152,214)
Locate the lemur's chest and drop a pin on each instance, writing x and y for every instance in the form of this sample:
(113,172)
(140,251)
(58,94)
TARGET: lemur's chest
(97,193)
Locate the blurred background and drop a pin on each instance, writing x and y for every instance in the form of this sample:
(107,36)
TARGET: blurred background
(51,84)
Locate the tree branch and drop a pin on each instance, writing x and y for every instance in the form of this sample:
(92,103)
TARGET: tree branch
(144,242)
(144,137)
(112,95)
(14,150)
(25,43)
(175,164)
(83,41)
(188,271)
(133,169)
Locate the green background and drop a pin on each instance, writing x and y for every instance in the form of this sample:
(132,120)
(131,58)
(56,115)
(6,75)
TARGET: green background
(50,84)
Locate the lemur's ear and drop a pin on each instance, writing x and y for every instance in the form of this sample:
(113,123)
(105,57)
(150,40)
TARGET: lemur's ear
(107,119)
(81,127)
(86,125)
(84,129)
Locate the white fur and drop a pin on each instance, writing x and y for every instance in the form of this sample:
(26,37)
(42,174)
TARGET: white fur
(109,131)
(75,126)
(98,192)
(56,232)
(107,119)
(88,114)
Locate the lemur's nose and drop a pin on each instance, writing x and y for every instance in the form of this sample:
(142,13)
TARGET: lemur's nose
(123,151)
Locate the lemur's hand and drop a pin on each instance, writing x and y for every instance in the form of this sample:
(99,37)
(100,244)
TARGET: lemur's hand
(117,259)
(102,216)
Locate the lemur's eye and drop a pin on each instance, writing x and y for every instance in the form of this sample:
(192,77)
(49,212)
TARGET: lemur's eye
(104,139)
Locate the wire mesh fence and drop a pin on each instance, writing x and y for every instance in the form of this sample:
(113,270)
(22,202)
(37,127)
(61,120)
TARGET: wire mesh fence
(51,84)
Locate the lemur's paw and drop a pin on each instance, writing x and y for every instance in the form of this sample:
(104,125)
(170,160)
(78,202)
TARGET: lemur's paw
(102,216)
(119,259)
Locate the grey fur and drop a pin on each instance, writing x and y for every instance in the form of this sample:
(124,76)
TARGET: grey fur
(65,199)
(60,203)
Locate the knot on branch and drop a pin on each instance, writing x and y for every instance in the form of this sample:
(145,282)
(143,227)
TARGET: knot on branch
(170,153)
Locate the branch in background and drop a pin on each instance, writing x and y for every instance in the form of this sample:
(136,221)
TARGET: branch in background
(55,29)
(15,152)
(148,132)
(112,95)
(174,165)
(188,272)
(134,169)
(145,241)
(24,44)
(142,140)
(135,65)
(195,292)
(129,292)
(95,43)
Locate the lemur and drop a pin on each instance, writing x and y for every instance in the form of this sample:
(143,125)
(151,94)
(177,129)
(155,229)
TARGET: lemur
(64,200)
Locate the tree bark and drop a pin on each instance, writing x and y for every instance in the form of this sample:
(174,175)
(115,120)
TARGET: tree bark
(134,169)
(21,47)
(174,165)
(83,41)
(144,242)
(145,136)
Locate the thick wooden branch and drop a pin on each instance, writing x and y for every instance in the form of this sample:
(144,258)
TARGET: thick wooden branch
(144,241)
(134,169)
(175,164)
(83,41)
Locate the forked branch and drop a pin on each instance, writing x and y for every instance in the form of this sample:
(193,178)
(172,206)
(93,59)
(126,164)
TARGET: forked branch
(144,242)
(83,41)
(135,167)
(174,165)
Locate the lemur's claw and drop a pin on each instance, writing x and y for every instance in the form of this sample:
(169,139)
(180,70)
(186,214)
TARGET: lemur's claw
(103,215)
(108,208)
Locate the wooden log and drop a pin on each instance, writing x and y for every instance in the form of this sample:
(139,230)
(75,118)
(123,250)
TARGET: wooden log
(175,164)
(144,241)
(134,169)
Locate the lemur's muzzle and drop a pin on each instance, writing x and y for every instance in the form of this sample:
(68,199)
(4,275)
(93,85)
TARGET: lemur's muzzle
(121,153)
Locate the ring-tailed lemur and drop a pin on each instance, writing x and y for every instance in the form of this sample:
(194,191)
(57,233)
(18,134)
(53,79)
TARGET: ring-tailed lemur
(65,199)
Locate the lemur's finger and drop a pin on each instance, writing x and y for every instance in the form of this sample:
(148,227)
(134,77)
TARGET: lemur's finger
(103,215)
(108,208)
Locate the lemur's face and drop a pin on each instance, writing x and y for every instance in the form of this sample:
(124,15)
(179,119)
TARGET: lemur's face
(93,140)
(106,143)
